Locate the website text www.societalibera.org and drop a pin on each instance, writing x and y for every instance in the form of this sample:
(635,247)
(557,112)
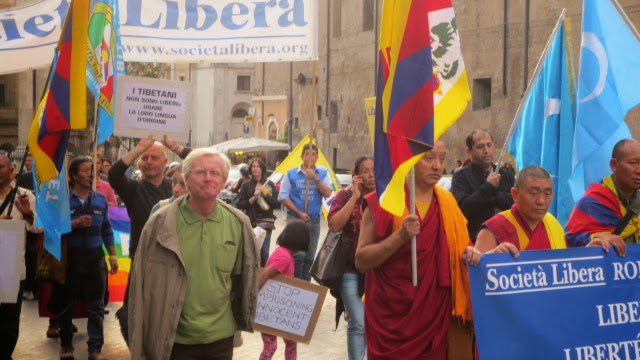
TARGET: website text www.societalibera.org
(176,31)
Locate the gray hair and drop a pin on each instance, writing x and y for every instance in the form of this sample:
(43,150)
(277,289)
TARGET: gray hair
(196,153)
(533,171)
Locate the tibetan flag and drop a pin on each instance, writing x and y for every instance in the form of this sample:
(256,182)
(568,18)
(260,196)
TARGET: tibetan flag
(544,122)
(450,86)
(404,98)
(607,90)
(104,61)
(121,233)
(63,107)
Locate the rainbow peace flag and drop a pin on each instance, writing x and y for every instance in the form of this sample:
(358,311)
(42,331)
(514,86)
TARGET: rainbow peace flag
(121,229)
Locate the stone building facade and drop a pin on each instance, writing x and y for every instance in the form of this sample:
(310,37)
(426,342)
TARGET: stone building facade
(498,58)
(493,42)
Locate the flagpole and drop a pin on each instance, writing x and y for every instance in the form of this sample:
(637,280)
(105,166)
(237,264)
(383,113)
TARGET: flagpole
(412,209)
(545,52)
(312,125)
(94,172)
(626,19)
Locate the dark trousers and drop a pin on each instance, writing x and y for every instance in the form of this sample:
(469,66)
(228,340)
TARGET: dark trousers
(10,325)
(95,313)
(217,350)
(31,262)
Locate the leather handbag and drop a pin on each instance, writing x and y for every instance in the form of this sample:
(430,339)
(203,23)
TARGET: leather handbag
(328,266)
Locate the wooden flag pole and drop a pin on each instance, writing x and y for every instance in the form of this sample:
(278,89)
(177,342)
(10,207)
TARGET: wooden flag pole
(312,126)
(94,172)
(412,209)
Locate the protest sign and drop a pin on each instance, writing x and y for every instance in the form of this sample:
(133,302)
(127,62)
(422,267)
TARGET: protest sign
(558,304)
(151,106)
(289,308)
(12,235)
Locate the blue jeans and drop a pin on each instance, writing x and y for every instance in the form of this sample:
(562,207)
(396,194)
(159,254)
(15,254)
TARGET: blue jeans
(303,259)
(10,324)
(264,250)
(354,307)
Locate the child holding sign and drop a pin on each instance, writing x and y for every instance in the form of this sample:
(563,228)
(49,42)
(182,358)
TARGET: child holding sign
(294,238)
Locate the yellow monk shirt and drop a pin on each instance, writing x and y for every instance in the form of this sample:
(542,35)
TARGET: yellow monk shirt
(422,207)
(212,250)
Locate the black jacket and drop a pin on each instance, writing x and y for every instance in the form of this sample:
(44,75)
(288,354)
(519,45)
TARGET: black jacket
(139,196)
(477,198)
(254,211)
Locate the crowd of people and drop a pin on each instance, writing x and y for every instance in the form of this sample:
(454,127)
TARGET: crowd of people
(196,266)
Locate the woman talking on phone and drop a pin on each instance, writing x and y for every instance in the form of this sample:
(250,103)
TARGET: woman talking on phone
(345,215)
(258,198)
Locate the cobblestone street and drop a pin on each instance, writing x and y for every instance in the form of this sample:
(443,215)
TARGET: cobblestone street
(33,344)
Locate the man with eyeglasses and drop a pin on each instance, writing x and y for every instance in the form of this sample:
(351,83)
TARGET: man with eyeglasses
(23,209)
(194,279)
(480,190)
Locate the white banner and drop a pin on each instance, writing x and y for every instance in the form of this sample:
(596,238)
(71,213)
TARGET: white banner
(173,31)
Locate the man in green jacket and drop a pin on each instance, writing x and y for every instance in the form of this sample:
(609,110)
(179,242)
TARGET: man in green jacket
(194,256)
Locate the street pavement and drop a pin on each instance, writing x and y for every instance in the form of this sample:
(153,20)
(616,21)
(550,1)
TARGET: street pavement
(33,344)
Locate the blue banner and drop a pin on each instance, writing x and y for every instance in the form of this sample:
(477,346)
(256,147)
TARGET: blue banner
(573,304)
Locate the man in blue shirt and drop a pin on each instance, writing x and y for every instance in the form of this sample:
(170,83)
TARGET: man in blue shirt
(304,204)
(86,268)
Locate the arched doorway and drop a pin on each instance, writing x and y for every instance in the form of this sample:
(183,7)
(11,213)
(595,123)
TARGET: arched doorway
(239,127)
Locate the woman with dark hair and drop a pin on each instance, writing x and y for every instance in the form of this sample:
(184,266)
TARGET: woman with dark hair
(345,215)
(258,198)
(86,268)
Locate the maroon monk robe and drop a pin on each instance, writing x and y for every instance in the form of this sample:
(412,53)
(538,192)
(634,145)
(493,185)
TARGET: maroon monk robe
(403,321)
(505,231)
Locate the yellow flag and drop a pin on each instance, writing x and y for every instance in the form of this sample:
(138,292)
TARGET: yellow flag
(295,159)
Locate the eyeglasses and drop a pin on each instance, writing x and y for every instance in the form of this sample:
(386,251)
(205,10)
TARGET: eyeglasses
(4,153)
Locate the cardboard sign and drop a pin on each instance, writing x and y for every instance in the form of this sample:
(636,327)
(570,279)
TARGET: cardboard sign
(289,308)
(12,237)
(151,106)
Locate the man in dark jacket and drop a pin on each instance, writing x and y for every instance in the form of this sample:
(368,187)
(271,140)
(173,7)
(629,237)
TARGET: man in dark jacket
(140,195)
(480,190)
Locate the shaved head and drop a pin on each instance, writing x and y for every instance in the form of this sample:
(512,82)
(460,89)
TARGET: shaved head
(619,148)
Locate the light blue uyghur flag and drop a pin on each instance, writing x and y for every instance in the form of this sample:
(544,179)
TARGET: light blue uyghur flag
(545,121)
(52,207)
(607,90)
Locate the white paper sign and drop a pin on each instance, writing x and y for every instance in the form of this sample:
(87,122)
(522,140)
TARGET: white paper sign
(285,307)
(151,106)
(12,237)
